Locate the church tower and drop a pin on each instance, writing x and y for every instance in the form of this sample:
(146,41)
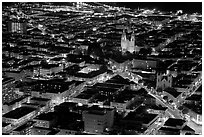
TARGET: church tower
(131,46)
(128,44)
(124,42)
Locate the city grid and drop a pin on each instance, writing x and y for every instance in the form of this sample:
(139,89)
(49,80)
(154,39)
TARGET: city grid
(101,68)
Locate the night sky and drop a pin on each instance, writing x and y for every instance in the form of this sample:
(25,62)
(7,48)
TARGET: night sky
(187,7)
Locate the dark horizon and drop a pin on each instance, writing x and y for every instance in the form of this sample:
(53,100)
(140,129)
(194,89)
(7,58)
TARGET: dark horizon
(187,7)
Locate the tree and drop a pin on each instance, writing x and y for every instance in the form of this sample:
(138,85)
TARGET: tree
(170,89)
(170,101)
(149,86)
(180,107)
(149,50)
(128,54)
(185,111)
(159,90)
(140,81)
(143,52)
(165,98)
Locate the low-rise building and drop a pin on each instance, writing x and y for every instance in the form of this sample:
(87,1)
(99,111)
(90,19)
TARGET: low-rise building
(6,127)
(47,69)
(168,131)
(74,128)
(144,63)
(55,90)
(19,116)
(24,129)
(175,123)
(45,120)
(8,86)
(123,99)
(6,107)
(186,130)
(40,131)
(140,117)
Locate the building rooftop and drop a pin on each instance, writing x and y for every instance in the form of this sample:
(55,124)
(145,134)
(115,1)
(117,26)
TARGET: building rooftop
(19,112)
(76,126)
(170,131)
(16,100)
(39,99)
(90,90)
(68,104)
(46,116)
(199,89)
(155,107)
(118,80)
(109,85)
(100,98)
(187,128)
(139,127)
(53,132)
(141,115)
(172,122)
(5,124)
(51,86)
(90,74)
(42,128)
(98,110)
(24,126)
(142,92)
(49,66)
(6,80)
(84,96)
(195,108)
(195,97)
(173,92)
(123,97)
(30,104)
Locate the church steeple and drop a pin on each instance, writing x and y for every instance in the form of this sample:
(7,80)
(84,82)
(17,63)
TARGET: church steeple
(132,36)
(128,44)
(124,37)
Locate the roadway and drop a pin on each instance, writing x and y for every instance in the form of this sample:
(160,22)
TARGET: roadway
(170,40)
(172,111)
(197,128)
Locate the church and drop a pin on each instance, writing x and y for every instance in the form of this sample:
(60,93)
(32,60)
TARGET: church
(164,80)
(128,45)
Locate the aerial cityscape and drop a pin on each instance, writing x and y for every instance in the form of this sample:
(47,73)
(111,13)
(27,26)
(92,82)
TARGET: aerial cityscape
(101,68)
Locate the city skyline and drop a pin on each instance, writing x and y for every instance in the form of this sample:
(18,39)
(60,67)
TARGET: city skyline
(98,68)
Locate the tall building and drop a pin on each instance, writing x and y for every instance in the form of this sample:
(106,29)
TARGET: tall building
(17,27)
(128,45)
(96,120)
